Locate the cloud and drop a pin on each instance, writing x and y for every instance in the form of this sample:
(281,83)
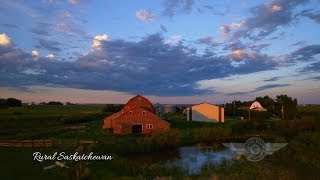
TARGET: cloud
(65,15)
(49,45)
(174,39)
(102,37)
(64,27)
(4,40)
(258,47)
(267,18)
(315,78)
(49,1)
(237,25)
(97,41)
(217,11)
(34,71)
(260,88)
(313,68)
(272,79)
(299,43)
(35,54)
(172,7)
(74,2)
(145,15)
(270,86)
(315,16)
(206,40)
(41,31)
(163,28)
(276,8)
(50,56)
(237,93)
(11,25)
(238,54)
(149,66)
(305,53)
(226,28)
(69,28)
(252,54)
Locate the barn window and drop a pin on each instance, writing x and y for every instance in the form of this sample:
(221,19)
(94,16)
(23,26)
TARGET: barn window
(130,112)
(144,112)
(149,126)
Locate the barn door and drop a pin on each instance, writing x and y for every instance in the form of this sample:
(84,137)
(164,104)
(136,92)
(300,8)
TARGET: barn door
(137,128)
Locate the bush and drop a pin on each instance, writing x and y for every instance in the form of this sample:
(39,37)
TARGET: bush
(257,115)
(112,108)
(160,140)
(210,134)
(12,102)
(55,103)
(80,118)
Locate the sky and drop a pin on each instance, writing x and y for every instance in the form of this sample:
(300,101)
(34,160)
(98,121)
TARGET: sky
(171,51)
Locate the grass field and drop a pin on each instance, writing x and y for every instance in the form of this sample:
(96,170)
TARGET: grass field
(85,122)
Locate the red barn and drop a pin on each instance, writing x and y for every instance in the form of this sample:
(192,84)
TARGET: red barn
(137,116)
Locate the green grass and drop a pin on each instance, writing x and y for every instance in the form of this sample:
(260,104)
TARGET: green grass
(18,163)
(47,121)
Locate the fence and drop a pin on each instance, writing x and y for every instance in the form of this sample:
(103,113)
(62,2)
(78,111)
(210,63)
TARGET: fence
(44,143)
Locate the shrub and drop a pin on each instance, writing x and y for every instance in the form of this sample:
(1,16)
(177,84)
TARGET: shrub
(112,108)
(210,134)
(160,140)
(79,118)
(12,102)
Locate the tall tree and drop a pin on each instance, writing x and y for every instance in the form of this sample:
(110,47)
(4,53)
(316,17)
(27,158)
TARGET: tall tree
(286,107)
(3,103)
(12,102)
(266,102)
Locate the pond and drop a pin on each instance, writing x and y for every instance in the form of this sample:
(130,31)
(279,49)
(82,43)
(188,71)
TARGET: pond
(190,158)
(193,158)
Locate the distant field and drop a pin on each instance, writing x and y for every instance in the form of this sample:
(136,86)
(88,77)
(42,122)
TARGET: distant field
(45,121)
(310,110)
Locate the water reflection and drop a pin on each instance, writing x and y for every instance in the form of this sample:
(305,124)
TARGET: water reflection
(193,159)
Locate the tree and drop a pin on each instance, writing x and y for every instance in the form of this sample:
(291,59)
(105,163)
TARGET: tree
(55,103)
(266,102)
(3,103)
(112,108)
(286,107)
(12,102)
(234,109)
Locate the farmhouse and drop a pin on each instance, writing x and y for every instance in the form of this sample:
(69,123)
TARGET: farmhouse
(255,105)
(205,112)
(137,116)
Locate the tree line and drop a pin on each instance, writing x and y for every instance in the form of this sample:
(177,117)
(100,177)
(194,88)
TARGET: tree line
(13,102)
(282,106)
(10,102)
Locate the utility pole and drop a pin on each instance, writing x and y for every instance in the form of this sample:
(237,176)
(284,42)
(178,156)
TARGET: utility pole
(234,107)
(282,111)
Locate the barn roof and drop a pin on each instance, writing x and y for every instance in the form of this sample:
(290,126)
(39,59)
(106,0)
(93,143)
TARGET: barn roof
(203,103)
(119,114)
(249,103)
(139,101)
